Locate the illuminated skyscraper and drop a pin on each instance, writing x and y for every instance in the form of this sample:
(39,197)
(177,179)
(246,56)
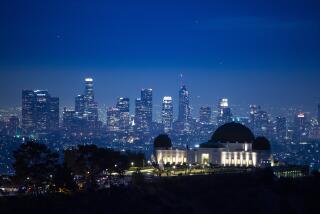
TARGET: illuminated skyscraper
(300,128)
(80,104)
(205,114)
(146,98)
(262,124)
(91,106)
(28,110)
(184,105)
(40,111)
(89,93)
(54,114)
(139,118)
(224,112)
(123,104)
(143,111)
(167,113)
(113,115)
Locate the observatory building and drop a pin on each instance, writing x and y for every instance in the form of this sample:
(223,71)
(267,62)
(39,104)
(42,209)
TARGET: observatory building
(232,144)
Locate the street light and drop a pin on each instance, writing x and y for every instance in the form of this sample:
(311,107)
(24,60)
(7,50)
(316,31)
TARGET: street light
(132,164)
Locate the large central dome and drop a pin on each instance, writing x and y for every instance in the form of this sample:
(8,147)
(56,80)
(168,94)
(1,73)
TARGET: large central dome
(233,133)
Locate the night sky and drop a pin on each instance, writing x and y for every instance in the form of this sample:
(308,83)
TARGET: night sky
(265,52)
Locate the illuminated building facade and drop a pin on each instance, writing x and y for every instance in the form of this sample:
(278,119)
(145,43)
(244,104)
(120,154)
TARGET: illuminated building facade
(113,119)
(184,105)
(224,112)
(40,112)
(300,128)
(167,113)
(205,114)
(143,111)
(232,144)
(123,104)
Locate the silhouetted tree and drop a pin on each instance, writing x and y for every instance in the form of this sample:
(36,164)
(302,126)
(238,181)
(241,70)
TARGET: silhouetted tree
(63,179)
(34,164)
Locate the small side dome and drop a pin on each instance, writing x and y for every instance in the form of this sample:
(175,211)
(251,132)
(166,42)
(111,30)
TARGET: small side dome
(162,141)
(261,143)
(233,133)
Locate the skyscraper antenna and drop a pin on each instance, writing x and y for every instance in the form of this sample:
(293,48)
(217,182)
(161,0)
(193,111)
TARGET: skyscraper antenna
(181,80)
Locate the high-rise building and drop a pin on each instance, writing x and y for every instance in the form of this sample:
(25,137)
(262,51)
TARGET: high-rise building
(68,119)
(281,128)
(262,124)
(113,118)
(40,111)
(88,92)
(54,114)
(123,104)
(167,113)
(139,118)
(143,111)
(224,112)
(184,105)
(80,104)
(300,128)
(205,114)
(91,106)
(28,110)
(146,98)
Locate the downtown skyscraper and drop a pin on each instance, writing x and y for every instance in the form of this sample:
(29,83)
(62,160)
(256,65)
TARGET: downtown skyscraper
(91,106)
(205,114)
(143,111)
(123,104)
(40,112)
(224,112)
(167,113)
(184,105)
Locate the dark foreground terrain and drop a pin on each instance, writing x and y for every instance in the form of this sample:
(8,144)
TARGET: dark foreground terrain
(241,193)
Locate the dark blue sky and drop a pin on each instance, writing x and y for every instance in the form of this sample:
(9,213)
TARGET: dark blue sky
(265,52)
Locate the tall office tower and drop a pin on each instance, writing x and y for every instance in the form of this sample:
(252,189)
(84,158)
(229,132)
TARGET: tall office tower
(167,113)
(54,114)
(80,104)
(205,114)
(139,118)
(40,111)
(281,128)
(68,119)
(146,98)
(123,104)
(184,105)
(300,128)
(318,114)
(28,110)
(113,115)
(91,106)
(88,92)
(224,112)
(262,124)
